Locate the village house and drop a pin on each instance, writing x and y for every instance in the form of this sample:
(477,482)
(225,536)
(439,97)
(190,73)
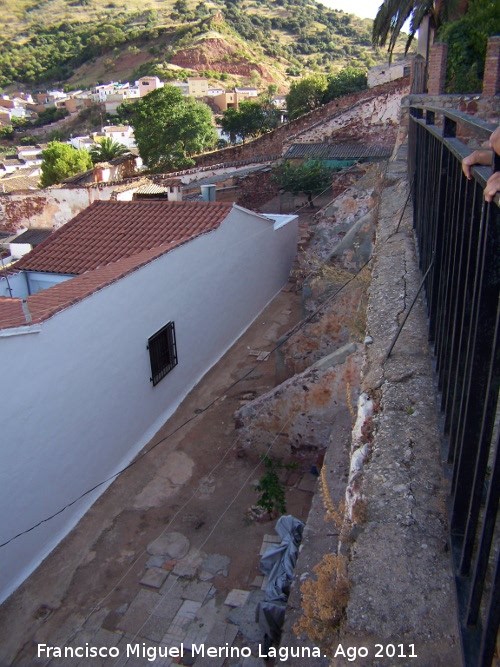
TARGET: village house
(389,72)
(20,181)
(26,241)
(146,84)
(14,107)
(122,134)
(118,169)
(105,328)
(121,92)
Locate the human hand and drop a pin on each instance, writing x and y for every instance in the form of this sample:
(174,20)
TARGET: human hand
(492,186)
(481,157)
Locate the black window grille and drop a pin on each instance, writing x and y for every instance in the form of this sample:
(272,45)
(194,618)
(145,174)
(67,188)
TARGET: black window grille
(162,352)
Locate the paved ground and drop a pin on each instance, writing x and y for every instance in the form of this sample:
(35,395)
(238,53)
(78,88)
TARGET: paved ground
(155,559)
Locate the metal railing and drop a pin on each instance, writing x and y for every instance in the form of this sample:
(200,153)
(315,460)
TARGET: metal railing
(458,237)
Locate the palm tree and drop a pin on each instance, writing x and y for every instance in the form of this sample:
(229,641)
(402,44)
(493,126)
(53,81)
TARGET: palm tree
(393,14)
(107,149)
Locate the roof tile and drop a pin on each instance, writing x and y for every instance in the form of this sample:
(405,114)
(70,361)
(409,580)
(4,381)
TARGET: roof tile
(106,242)
(110,230)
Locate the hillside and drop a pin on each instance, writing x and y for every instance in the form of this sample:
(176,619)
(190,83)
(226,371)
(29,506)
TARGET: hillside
(79,42)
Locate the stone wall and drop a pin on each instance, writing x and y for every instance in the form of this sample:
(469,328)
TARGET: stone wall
(308,403)
(274,142)
(50,208)
(374,121)
(487,108)
(394,539)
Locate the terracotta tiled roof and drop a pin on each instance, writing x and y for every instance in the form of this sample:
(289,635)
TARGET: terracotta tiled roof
(11,313)
(19,183)
(106,242)
(107,231)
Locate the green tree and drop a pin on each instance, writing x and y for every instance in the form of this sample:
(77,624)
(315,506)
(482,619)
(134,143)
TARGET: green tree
(61,161)
(305,95)
(467,39)
(393,14)
(272,492)
(348,80)
(7,132)
(251,119)
(106,149)
(310,177)
(170,128)
(124,112)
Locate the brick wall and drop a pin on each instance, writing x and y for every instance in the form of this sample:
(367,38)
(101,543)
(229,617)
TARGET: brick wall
(437,68)
(256,189)
(491,81)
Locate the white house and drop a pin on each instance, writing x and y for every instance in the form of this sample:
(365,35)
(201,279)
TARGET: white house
(104,329)
(390,72)
(146,84)
(85,142)
(100,93)
(31,155)
(26,241)
(122,134)
(247,92)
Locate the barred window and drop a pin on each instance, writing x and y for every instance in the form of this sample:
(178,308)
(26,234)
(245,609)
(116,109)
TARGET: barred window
(162,352)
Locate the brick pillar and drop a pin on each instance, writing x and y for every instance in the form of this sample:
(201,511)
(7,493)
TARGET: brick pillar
(437,68)
(491,80)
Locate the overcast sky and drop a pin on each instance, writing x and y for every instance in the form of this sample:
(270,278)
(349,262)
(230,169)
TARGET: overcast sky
(365,9)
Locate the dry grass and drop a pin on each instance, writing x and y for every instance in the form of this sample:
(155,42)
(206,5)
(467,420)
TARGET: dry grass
(324,601)
(333,514)
(333,274)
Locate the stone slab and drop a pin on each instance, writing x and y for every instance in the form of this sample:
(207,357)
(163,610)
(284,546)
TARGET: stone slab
(170,545)
(257,582)
(169,606)
(244,617)
(155,628)
(273,539)
(155,561)
(216,563)
(154,577)
(220,635)
(144,604)
(308,483)
(197,591)
(236,598)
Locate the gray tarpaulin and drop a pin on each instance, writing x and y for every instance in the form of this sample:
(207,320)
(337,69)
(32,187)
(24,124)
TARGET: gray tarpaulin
(278,564)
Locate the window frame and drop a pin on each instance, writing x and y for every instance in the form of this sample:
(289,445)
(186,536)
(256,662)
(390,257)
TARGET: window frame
(162,348)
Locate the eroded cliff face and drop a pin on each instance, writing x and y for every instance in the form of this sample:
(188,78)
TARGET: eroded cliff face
(218,55)
(319,367)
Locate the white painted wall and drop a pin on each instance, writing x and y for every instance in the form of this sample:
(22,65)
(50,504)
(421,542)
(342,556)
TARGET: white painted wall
(80,403)
(383,73)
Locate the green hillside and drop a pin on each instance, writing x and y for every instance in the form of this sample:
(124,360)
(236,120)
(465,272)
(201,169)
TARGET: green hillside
(79,42)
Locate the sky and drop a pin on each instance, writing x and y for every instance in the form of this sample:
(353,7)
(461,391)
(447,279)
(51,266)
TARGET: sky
(365,9)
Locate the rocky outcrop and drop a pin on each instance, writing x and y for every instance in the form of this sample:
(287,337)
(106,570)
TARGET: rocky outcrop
(218,55)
